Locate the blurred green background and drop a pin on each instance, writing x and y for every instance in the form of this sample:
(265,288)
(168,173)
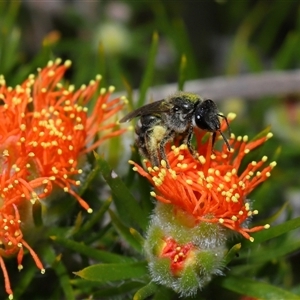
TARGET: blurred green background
(141,44)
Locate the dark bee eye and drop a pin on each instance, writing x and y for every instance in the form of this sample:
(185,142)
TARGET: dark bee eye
(176,108)
(206,116)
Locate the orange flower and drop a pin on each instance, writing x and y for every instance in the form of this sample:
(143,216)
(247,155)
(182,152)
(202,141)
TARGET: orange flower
(211,188)
(50,123)
(12,242)
(45,134)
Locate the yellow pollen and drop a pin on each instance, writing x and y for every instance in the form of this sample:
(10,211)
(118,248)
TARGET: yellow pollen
(231,116)
(264,158)
(163,163)
(241,212)
(211,171)
(255,212)
(234,199)
(23,127)
(102,91)
(239,138)
(245,138)
(68,63)
(98,77)
(58,61)
(31,154)
(111,89)
(213,156)
(267,226)
(234,218)
(232,136)
(273,164)
(104,106)
(183,166)
(43,270)
(258,174)
(209,185)
(155,168)
(246,151)
(183,147)
(77,182)
(269,135)
(224,156)
(66,189)
(189,181)
(180,157)
(71,161)
(251,239)
(202,159)
(153,194)
(135,169)
(268,174)
(221,220)
(227,178)
(173,174)
(20,268)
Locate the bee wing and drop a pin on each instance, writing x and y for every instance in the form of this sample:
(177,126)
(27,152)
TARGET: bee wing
(148,109)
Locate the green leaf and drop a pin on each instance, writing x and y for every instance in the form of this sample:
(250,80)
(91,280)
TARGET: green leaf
(28,275)
(145,291)
(273,232)
(256,289)
(126,204)
(94,218)
(61,271)
(231,254)
(137,236)
(64,279)
(99,255)
(113,272)
(118,290)
(148,76)
(124,231)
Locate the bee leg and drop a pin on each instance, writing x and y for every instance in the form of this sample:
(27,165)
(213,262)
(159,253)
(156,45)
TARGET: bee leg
(162,152)
(188,141)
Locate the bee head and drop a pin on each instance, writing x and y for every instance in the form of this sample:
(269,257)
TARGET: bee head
(206,116)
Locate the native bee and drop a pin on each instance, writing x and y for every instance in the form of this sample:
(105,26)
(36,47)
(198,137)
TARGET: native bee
(161,121)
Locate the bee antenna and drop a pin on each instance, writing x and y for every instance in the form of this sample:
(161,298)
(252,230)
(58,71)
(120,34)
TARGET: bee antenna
(229,131)
(228,127)
(225,140)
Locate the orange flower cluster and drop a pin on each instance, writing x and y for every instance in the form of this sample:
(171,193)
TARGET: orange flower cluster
(45,128)
(211,187)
